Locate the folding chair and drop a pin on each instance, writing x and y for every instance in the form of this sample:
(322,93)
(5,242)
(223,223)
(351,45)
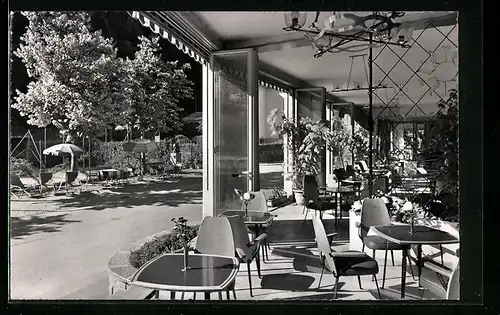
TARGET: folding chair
(16,185)
(70,178)
(43,179)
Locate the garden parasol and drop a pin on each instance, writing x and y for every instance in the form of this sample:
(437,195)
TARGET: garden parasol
(141,146)
(64,149)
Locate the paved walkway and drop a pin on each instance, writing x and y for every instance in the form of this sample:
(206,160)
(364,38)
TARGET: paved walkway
(60,246)
(63,252)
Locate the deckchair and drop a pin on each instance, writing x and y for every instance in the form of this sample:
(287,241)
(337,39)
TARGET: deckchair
(16,185)
(70,178)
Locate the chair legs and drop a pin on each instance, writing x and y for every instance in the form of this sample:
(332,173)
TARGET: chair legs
(305,217)
(373,256)
(321,276)
(385,268)
(392,257)
(336,288)
(378,290)
(359,282)
(257,262)
(249,279)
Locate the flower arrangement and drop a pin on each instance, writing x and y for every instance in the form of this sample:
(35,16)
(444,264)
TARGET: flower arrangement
(402,210)
(181,230)
(245,198)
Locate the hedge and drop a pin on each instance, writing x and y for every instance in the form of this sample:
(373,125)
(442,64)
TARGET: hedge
(162,244)
(271,152)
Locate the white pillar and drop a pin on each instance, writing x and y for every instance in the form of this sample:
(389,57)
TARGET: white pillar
(208,140)
(290,112)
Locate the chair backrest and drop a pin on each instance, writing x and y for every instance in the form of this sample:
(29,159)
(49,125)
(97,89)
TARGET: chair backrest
(215,237)
(323,244)
(71,176)
(364,166)
(310,185)
(16,181)
(45,177)
(240,232)
(258,203)
(373,212)
(453,290)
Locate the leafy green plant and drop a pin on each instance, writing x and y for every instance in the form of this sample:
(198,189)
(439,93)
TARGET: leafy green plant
(277,193)
(20,166)
(306,140)
(163,244)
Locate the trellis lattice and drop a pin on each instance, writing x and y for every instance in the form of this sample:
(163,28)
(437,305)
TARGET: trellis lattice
(411,180)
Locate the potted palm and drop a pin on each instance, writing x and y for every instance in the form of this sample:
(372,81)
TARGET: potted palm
(305,140)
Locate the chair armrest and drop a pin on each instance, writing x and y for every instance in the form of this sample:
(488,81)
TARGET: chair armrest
(241,253)
(348,254)
(330,237)
(259,239)
(429,264)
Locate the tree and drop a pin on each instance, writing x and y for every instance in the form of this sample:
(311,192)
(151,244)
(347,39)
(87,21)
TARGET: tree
(158,86)
(78,83)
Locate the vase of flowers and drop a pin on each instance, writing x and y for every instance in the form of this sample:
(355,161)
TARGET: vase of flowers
(245,198)
(181,230)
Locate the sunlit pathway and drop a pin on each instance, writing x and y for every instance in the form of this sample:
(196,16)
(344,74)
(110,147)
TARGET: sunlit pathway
(64,254)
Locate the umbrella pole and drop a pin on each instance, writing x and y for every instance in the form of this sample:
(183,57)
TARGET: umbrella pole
(40,173)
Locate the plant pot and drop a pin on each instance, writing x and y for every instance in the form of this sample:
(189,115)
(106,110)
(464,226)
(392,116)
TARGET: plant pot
(299,197)
(275,202)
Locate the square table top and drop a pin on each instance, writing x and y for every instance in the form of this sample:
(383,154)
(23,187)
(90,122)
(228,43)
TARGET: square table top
(207,273)
(253,217)
(422,235)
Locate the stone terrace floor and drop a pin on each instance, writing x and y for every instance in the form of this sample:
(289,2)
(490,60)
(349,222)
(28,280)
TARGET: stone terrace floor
(293,269)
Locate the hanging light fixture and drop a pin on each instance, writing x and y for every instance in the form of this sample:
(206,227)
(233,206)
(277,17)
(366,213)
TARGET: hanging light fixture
(379,24)
(404,34)
(295,20)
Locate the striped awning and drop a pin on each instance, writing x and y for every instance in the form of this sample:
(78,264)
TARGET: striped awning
(168,36)
(145,21)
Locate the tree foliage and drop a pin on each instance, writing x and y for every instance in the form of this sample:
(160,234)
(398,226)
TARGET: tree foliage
(78,83)
(158,87)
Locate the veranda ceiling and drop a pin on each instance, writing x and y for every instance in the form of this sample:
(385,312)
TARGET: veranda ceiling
(291,53)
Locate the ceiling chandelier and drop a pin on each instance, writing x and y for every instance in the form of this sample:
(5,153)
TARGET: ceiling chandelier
(380,24)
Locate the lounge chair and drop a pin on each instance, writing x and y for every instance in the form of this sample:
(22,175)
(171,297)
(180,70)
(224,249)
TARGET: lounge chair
(346,263)
(69,179)
(373,213)
(246,251)
(313,201)
(215,237)
(259,204)
(441,281)
(17,186)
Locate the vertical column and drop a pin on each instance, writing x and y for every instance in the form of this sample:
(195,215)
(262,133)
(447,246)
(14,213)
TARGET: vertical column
(208,140)
(329,153)
(253,120)
(291,113)
(370,119)
(323,169)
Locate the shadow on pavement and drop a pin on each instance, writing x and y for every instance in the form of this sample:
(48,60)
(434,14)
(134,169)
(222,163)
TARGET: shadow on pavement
(20,227)
(172,193)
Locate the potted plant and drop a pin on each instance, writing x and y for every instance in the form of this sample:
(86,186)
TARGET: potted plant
(306,139)
(277,198)
(182,233)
